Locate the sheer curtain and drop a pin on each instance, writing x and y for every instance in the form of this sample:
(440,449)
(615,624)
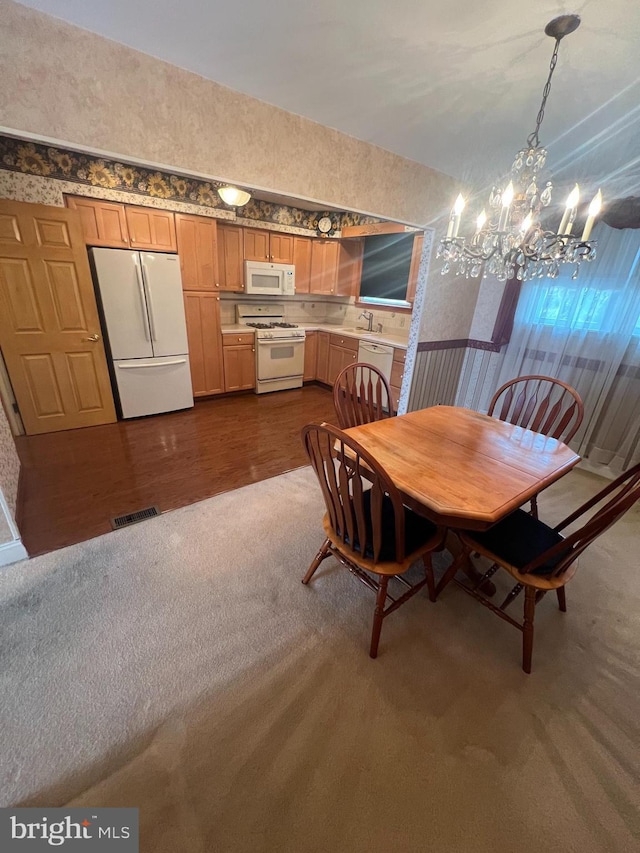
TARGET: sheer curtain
(587,333)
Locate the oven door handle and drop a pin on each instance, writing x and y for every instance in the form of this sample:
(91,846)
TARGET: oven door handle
(271,341)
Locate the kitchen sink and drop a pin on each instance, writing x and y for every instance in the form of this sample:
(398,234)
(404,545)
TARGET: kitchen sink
(359,330)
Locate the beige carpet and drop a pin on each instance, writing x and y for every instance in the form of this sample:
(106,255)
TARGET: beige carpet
(180,666)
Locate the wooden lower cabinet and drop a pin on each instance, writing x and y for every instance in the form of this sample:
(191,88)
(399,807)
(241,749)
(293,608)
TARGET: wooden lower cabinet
(397,374)
(202,313)
(239,353)
(310,356)
(322,359)
(342,352)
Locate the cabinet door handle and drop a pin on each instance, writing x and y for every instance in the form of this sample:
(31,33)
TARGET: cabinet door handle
(143,301)
(217,285)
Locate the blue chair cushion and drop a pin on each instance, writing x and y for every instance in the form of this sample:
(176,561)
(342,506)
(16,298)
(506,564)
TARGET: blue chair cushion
(417,531)
(518,539)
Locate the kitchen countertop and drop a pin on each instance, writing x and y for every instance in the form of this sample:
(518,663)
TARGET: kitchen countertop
(349,332)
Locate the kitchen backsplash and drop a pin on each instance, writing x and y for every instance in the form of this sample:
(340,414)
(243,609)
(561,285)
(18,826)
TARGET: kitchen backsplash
(309,309)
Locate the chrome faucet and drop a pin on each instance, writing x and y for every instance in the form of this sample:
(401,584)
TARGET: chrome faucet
(368,316)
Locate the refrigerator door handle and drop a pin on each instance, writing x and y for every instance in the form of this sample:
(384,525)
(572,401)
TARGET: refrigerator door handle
(143,302)
(147,290)
(150,364)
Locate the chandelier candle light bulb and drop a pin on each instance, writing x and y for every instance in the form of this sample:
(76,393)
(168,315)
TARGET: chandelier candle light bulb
(454,219)
(570,211)
(507,198)
(594,210)
(511,241)
(526,223)
(480,222)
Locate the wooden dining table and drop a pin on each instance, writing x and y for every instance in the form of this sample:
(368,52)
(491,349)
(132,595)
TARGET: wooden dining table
(463,469)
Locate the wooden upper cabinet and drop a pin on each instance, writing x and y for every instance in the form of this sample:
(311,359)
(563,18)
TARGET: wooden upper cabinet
(418,242)
(302,261)
(268,246)
(104,223)
(197,247)
(151,229)
(281,248)
(324,266)
(350,267)
(256,245)
(230,265)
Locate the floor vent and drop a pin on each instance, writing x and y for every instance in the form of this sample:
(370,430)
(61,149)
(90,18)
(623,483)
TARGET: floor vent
(134,517)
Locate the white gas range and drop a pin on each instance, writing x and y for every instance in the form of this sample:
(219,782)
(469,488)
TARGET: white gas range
(279,346)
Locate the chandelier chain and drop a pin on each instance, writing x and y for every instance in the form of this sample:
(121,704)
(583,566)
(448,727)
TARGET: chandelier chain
(533,140)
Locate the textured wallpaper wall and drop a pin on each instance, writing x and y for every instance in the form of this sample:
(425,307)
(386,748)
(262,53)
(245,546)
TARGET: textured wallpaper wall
(64,83)
(9,472)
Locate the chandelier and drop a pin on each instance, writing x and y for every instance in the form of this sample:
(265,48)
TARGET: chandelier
(510,241)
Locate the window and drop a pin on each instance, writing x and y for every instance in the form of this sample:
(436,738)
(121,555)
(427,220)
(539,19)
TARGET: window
(385,268)
(597,306)
(574,307)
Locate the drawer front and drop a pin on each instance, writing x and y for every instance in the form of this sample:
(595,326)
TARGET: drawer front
(234,340)
(400,355)
(345,342)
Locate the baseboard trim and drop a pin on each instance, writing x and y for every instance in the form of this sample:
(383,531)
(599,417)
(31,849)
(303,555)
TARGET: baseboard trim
(12,552)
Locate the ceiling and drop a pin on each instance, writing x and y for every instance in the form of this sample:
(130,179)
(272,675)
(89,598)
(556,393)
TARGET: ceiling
(455,86)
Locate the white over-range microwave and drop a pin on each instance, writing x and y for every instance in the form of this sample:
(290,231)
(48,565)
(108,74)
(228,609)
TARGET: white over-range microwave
(269,279)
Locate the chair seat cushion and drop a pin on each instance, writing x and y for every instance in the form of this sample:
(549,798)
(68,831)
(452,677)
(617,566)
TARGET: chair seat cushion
(417,531)
(518,539)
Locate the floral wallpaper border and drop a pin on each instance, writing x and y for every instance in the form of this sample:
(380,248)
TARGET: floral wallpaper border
(45,161)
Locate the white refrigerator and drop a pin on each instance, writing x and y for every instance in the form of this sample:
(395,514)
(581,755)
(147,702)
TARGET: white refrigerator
(143,311)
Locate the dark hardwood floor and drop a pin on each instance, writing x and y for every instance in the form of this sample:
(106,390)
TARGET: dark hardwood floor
(73,483)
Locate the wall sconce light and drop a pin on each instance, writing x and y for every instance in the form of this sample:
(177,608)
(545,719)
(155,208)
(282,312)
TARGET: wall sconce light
(233,196)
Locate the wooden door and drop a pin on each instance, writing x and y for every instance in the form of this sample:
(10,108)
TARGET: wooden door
(310,356)
(230,258)
(202,313)
(256,245)
(197,247)
(49,329)
(281,248)
(151,229)
(104,223)
(322,364)
(302,261)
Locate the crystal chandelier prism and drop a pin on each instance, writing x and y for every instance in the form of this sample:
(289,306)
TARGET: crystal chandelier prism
(510,241)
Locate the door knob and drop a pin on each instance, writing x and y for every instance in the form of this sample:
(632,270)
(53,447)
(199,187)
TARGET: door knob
(93,338)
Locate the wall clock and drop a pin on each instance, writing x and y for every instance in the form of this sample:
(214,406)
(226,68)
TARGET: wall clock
(325,226)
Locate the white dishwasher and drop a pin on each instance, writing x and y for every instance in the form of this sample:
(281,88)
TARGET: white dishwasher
(379,355)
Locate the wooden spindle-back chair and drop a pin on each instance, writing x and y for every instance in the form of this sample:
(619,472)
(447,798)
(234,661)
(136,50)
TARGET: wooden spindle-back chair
(538,557)
(361,394)
(367,527)
(542,404)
